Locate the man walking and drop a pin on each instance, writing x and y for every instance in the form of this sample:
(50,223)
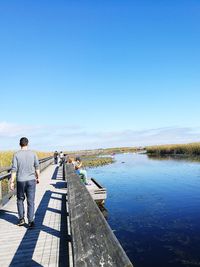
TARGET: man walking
(25,168)
(55,155)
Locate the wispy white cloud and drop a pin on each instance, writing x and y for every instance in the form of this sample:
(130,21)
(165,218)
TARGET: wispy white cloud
(13,130)
(71,137)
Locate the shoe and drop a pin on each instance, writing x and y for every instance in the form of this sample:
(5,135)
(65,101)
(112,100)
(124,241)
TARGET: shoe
(31,225)
(21,222)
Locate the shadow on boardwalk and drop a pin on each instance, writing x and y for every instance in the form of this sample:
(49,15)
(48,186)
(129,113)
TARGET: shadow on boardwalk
(26,249)
(55,174)
(8,216)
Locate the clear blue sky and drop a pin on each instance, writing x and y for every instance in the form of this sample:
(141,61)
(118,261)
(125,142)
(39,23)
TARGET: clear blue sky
(102,73)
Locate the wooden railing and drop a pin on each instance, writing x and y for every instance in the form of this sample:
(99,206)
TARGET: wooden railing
(93,241)
(5,175)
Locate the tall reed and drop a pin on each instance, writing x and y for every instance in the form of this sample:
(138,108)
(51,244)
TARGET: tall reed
(192,149)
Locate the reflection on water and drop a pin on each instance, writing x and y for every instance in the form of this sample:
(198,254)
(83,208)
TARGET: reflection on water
(154,208)
(175,157)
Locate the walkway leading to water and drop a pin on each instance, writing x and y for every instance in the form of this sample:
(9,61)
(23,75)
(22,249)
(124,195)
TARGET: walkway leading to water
(48,244)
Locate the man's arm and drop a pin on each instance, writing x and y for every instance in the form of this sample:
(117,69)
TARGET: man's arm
(13,173)
(12,181)
(37,170)
(79,165)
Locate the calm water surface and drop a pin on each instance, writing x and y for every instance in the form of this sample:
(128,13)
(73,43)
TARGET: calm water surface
(154,209)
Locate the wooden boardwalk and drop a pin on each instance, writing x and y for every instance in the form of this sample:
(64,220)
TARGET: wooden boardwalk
(48,244)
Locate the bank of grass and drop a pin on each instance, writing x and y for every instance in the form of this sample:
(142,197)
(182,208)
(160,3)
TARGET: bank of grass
(95,161)
(6,157)
(103,151)
(192,149)
(99,157)
(118,150)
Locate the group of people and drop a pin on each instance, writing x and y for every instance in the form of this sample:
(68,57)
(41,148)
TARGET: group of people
(77,163)
(26,171)
(59,157)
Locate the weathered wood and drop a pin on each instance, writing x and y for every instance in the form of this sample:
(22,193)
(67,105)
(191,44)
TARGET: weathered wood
(97,192)
(44,163)
(0,190)
(48,244)
(94,243)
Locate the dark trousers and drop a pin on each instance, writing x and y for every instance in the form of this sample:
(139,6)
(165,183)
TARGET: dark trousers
(27,189)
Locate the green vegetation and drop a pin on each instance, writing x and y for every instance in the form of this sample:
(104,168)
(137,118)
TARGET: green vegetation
(5,158)
(103,151)
(117,150)
(192,149)
(92,158)
(96,161)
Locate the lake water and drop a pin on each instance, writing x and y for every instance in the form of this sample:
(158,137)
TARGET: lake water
(154,209)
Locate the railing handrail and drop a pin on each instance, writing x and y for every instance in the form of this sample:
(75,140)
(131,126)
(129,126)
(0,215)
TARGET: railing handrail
(6,174)
(5,169)
(8,169)
(93,241)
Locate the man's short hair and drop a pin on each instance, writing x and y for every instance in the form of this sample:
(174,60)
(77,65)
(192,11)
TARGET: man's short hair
(23,141)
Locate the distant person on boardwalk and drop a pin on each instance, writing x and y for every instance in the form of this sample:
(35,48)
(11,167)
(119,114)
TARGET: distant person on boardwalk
(55,155)
(25,168)
(78,166)
(61,156)
(65,158)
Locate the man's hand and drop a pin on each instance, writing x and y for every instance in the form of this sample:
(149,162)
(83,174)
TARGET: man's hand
(12,186)
(37,175)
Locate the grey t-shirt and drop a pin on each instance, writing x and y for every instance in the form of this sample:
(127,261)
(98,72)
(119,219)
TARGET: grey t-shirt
(25,163)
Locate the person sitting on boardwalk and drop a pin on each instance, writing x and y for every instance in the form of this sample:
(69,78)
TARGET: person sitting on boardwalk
(25,168)
(79,170)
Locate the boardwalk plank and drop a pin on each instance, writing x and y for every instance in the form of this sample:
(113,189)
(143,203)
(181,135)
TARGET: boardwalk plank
(47,244)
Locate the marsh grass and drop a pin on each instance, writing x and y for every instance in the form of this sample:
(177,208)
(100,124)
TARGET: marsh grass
(118,150)
(192,149)
(6,157)
(102,151)
(92,158)
(96,161)
(4,187)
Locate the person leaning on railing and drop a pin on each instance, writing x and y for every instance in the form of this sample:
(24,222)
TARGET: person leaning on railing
(25,168)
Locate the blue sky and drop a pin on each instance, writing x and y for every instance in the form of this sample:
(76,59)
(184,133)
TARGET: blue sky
(87,74)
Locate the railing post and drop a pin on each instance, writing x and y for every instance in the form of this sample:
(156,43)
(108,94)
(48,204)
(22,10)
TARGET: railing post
(64,172)
(8,184)
(94,234)
(0,191)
